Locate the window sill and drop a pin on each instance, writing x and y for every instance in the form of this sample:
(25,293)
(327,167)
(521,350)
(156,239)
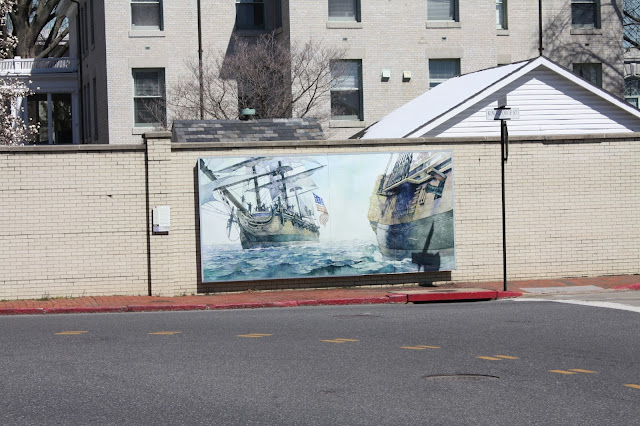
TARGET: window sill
(145,33)
(250,33)
(503,32)
(344,24)
(586,31)
(443,24)
(336,124)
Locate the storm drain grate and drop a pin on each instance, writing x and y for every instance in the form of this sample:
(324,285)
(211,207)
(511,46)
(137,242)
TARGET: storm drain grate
(461,377)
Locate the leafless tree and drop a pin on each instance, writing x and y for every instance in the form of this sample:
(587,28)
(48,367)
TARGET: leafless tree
(39,27)
(13,131)
(276,78)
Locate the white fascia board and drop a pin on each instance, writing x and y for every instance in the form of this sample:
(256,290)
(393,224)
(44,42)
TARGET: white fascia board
(540,61)
(592,88)
(476,98)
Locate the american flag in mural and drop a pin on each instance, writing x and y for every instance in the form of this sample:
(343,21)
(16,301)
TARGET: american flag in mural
(324,217)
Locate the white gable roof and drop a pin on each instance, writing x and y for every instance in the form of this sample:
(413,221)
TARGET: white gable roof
(457,106)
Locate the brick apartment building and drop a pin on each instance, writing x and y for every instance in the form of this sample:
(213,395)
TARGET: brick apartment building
(129,51)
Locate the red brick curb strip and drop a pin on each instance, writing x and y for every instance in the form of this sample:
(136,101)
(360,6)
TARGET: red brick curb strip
(390,298)
(628,287)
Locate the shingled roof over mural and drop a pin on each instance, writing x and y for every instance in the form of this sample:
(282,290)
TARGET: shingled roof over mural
(277,129)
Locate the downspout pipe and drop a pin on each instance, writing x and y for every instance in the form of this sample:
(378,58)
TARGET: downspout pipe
(200,71)
(540,48)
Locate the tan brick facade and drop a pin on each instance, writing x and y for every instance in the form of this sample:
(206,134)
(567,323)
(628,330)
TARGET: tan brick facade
(391,35)
(75,221)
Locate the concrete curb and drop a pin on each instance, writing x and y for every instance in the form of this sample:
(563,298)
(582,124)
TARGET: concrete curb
(390,298)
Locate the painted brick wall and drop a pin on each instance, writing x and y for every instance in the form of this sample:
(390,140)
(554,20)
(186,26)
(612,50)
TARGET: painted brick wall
(73,222)
(74,218)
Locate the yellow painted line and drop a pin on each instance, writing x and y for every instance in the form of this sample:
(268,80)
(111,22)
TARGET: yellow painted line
(254,335)
(70,333)
(506,357)
(490,358)
(332,341)
(428,347)
(418,348)
(165,333)
(562,372)
(348,340)
(633,386)
(339,340)
(577,370)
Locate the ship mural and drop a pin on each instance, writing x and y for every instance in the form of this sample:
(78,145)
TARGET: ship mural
(269,210)
(411,209)
(273,217)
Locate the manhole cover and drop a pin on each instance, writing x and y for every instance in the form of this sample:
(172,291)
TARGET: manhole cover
(461,377)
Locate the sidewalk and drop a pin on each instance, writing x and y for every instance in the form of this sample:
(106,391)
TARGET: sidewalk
(315,297)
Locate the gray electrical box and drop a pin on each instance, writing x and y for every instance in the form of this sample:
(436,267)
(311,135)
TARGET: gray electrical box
(161,219)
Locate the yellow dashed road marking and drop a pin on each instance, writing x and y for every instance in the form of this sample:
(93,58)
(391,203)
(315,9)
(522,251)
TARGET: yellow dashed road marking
(420,347)
(562,372)
(165,333)
(633,386)
(506,357)
(490,358)
(577,370)
(255,335)
(340,340)
(70,333)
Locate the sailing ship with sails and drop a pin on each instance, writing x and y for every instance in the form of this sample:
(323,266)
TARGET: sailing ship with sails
(265,199)
(411,208)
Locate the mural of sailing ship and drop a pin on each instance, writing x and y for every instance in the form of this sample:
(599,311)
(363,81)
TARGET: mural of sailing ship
(411,209)
(266,217)
(275,218)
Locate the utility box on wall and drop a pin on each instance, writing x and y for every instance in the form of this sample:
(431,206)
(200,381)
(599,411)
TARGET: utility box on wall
(161,219)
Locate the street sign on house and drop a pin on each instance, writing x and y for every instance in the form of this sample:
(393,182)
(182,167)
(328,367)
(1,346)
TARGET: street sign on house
(503,113)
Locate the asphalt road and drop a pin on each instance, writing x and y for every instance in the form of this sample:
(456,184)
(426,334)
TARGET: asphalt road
(504,362)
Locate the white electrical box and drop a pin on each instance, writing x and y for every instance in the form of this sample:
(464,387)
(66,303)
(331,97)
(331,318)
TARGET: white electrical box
(161,219)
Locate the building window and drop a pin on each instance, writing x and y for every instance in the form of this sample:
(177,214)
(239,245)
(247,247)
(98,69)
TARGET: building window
(250,15)
(346,90)
(344,10)
(149,97)
(590,72)
(585,13)
(441,70)
(501,14)
(146,14)
(632,91)
(442,10)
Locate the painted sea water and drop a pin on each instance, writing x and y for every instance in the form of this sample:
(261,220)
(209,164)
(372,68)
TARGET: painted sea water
(343,258)
(278,217)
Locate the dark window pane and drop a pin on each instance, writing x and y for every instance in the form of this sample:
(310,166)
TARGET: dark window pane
(145,15)
(583,15)
(249,16)
(345,104)
(343,10)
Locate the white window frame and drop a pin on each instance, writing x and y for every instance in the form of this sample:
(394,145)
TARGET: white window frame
(502,21)
(596,17)
(338,80)
(356,11)
(632,97)
(592,72)
(434,81)
(452,4)
(160,96)
(159,4)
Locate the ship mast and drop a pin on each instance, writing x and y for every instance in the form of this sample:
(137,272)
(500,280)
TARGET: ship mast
(226,192)
(255,187)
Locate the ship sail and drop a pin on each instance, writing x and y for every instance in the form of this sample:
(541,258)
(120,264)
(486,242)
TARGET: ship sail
(265,199)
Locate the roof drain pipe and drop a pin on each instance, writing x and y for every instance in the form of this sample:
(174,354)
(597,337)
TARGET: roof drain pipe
(540,48)
(200,72)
